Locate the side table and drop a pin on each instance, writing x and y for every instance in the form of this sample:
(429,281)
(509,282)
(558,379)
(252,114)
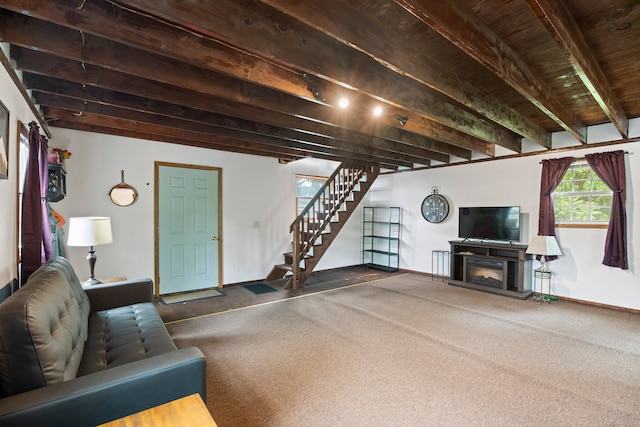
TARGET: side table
(440,264)
(540,279)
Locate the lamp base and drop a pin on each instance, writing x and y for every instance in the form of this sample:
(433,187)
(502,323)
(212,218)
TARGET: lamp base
(92,281)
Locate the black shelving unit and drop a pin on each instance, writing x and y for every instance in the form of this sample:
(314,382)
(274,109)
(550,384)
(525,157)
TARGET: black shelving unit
(381,238)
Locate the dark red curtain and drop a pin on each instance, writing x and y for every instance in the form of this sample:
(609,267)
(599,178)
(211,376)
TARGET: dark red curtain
(552,172)
(611,170)
(36,232)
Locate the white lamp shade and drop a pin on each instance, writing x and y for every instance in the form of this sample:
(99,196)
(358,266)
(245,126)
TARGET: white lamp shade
(544,245)
(89,231)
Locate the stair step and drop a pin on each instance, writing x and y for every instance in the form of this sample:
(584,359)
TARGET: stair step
(288,258)
(291,254)
(287,267)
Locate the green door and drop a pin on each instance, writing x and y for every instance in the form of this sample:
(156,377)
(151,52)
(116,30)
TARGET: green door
(188,234)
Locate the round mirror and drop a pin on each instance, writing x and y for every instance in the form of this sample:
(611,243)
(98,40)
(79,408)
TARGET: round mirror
(123,194)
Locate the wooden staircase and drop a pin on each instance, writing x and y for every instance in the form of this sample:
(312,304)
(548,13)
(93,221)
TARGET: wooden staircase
(322,219)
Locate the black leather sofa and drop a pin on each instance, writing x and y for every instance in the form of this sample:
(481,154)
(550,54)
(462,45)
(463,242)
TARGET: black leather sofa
(81,357)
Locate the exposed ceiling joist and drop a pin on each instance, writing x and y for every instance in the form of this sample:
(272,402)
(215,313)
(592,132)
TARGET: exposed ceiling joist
(458,81)
(383,41)
(266,37)
(556,18)
(457,23)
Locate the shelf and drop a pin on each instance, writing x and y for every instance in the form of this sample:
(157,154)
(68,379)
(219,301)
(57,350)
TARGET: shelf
(57,186)
(380,252)
(381,238)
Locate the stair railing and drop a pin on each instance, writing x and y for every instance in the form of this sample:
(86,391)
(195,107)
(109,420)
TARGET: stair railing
(315,217)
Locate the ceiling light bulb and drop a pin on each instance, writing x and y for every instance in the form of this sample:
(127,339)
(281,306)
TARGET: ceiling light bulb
(377,111)
(343,103)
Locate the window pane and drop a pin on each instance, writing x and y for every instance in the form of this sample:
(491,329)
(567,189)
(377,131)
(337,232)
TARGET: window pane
(581,173)
(306,188)
(582,196)
(581,214)
(601,201)
(601,214)
(581,185)
(598,185)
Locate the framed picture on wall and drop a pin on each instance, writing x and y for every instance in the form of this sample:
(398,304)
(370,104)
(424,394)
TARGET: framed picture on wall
(4,142)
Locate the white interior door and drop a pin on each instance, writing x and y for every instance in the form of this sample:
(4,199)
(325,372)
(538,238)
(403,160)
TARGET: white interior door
(188,228)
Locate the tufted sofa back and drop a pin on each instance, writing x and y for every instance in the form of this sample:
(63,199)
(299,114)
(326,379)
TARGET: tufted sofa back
(43,328)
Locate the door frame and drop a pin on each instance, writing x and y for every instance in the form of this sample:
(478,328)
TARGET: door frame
(156,217)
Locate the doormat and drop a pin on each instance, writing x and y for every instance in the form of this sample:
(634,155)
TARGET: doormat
(190,296)
(260,288)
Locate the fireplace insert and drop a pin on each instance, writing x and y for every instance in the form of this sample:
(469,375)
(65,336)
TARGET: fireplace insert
(485,272)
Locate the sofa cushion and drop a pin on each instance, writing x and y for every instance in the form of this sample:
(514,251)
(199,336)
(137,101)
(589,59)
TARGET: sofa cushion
(123,335)
(64,266)
(42,331)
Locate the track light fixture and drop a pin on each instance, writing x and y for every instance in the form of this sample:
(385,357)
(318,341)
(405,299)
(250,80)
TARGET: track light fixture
(403,120)
(312,86)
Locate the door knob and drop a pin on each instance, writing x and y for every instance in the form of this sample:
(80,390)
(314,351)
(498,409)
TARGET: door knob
(214,238)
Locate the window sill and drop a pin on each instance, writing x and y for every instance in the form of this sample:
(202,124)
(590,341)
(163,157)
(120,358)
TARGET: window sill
(583,225)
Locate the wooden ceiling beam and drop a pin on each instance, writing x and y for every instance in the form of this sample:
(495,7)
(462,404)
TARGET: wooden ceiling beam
(24,31)
(108,21)
(458,24)
(80,107)
(320,56)
(222,144)
(123,127)
(555,17)
(124,101)
(66,70)
(382,39)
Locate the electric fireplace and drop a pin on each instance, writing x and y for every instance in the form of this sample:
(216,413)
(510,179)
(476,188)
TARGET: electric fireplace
(485,272)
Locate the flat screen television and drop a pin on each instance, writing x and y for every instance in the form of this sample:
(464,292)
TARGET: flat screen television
(490,223)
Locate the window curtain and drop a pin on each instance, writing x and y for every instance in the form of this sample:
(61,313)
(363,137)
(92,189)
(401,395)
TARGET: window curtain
(552,172)
(36,231)
(611,170)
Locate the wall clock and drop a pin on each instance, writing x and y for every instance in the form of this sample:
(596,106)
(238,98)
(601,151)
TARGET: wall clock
(435,207)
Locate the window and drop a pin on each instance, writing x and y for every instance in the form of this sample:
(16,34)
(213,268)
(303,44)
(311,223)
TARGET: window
(582,198)
(306,188)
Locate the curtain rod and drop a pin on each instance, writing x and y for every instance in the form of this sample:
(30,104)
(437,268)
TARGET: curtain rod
(584,158)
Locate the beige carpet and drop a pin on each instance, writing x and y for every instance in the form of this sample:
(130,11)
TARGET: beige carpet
(407,351)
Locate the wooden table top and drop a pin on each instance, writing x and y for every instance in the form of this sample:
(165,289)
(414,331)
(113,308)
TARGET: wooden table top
(187,411)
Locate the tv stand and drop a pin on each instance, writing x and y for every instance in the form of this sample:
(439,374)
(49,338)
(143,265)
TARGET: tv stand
(499,268)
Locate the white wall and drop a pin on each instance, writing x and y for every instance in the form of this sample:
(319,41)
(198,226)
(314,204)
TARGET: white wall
(577,274)
(256,190)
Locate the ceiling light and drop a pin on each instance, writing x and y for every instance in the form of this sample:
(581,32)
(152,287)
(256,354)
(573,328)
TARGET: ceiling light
(312,86)
(403,120)
(343,103)
(377,111)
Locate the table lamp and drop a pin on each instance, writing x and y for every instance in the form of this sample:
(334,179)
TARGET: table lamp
(544,246)
(90,231)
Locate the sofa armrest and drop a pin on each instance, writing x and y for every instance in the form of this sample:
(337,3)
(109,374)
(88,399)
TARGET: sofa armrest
(110,394)
(118,294)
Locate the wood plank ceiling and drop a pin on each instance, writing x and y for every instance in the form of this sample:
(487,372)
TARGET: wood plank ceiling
(454,80)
